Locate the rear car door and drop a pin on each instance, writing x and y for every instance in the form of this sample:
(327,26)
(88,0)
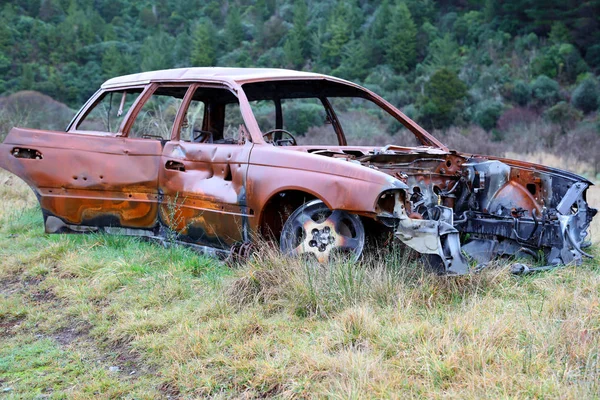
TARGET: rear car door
(91,176)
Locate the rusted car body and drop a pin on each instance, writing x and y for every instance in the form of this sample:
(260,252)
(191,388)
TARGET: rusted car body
(154,154)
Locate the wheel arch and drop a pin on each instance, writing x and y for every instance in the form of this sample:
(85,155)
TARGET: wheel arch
(278,208)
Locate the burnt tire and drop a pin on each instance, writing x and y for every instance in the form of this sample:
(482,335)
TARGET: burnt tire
(315,230)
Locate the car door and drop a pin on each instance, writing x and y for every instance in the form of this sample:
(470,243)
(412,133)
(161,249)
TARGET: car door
(91,176)
(202,178)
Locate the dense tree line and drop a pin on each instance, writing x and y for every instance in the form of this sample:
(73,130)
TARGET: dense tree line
(444,62)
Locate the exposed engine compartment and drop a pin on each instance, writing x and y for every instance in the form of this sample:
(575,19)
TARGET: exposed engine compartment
(484,207)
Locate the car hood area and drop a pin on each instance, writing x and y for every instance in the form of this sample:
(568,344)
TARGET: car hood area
(496,206)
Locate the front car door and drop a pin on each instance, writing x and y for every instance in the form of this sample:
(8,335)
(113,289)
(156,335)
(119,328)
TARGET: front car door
(203,169)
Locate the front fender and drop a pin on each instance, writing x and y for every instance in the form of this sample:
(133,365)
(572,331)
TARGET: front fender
(340,184)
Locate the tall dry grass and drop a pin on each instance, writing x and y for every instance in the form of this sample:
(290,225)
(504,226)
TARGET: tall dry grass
(306,288)
(536,140)
(177,325)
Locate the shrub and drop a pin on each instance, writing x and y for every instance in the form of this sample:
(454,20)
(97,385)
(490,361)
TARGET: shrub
(521,93)
(545,64)
(443,100)
(563,114)
(487,114)
(545,90)
(301,116)
(585,96)
(571,64)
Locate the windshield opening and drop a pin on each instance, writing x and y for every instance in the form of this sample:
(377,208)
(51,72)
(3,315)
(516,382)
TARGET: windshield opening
(320,112)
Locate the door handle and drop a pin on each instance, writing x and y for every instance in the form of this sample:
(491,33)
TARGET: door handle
(175,166)
(19,152)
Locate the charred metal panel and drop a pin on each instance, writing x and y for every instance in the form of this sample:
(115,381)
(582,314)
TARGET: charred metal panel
(204,193)
(335,182)
(88,180)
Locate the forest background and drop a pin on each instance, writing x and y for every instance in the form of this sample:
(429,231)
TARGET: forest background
(516,76)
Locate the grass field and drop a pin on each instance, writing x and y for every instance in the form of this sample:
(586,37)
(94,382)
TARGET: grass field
(85,316)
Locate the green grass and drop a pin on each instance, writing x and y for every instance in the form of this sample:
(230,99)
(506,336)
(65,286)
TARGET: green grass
(177,324)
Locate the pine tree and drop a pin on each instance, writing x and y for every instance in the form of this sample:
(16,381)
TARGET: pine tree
(355,61)
(116,62)
(234,30)
(204,49)
(401,39)
(377,33)
(293,51)
(443,99)
(157,52)
(300,29)
(297,45)
(338,33)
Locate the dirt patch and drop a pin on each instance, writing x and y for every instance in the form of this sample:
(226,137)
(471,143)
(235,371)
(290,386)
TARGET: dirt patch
(14,284)
(43,296)
(10,285)
(7,326)
(128,360)
(169,389)
(76,332)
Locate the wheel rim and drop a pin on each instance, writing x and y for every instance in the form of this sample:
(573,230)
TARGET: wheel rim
(315,230)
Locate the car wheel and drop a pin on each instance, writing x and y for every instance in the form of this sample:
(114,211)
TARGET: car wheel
(315,230)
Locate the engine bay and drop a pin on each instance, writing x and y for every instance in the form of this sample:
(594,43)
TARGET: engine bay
(498,207)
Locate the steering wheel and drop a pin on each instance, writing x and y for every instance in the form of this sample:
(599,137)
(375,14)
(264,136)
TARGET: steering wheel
(204,136)
(291,141)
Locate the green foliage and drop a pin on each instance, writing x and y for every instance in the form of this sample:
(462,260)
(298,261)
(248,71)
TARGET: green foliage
(297,45)
(563,114)
(467,27)
(592,56)
(444,52)
(339,32)
(204,48)
(116,62)
(546,63)
(377,32)
(487,114)
(561,60)
(293,51)
(559,33)
(355,60)
(545,90)
(443,99)
(301,116)
(66,48)
(234,30)
(585,96)
(521,93)
(157,52)
(401,39)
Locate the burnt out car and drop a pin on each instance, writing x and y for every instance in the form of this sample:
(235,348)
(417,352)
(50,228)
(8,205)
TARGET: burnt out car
(221,156)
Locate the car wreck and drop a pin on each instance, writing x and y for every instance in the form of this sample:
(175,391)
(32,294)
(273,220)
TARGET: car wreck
(217,157)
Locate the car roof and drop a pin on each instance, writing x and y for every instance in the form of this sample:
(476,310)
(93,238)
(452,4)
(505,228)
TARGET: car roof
(237,76)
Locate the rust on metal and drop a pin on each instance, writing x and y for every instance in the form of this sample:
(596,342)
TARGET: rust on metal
(201,170)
